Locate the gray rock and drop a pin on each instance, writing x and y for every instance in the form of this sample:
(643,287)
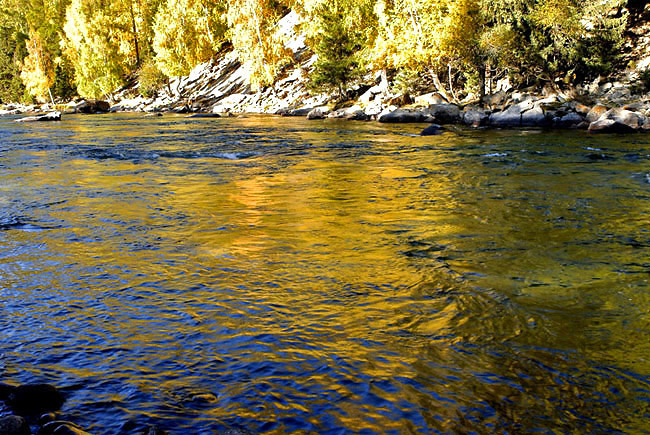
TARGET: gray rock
(317,113)
(445,113)
(403,116)
(92,106)
(357,115)
(432,130)
(14,425)
(571,119)
(475,117)
(154,430)
(337,114)
(506,118)
(633,120)
(303,111)
(511,117)
(604,125)
(33,399)
(495,99)
(429,99)
(52,116)
(534,117)
(596,112)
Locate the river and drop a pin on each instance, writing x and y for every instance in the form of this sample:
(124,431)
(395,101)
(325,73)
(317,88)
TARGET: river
(291,276)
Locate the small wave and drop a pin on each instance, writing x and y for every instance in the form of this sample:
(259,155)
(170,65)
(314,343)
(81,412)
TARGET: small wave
(591,149)
(6,226)
(495,155)
(235,156)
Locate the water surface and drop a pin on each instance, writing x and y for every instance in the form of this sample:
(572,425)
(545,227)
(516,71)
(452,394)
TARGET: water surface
(287,276)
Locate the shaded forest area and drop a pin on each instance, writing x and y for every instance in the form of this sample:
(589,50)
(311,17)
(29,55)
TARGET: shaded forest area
(65,48)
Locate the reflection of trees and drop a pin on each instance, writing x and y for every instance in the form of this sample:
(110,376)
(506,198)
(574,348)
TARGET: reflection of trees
(372,277)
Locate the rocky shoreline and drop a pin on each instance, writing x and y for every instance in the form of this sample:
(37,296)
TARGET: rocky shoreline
(608,107)
(35,409)
(221,87)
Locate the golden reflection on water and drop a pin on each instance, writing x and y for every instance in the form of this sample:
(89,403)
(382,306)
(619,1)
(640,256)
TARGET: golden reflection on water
(374,281)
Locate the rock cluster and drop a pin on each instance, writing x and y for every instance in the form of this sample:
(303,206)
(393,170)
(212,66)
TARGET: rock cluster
(512,110)
(35,412)
(35,403)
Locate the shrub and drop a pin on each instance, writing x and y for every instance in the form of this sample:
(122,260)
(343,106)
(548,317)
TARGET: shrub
(150,78)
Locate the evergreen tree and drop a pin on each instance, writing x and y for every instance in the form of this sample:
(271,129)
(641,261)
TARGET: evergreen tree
(337,47)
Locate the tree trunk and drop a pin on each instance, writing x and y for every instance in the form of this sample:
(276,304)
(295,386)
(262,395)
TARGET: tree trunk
(481,83)
(451,84)
(438,84)
(135,36)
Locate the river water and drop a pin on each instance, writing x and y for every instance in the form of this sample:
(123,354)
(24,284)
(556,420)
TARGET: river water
(286,276)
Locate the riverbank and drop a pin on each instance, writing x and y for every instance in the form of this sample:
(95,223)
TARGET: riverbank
(220,87)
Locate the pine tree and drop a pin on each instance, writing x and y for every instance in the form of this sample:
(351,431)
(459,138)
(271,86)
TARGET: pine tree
(338,50)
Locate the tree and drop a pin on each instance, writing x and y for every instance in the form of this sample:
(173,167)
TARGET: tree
(337,47)
(104,41)
(37,69)
(188,32)
(253,33)
(545,40)
(12,52)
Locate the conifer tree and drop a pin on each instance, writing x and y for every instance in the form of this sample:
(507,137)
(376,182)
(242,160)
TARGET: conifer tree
(337,47)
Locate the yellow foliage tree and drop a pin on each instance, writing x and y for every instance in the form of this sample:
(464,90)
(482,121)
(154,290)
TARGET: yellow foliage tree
(188,32)
(253,34)
(37,69)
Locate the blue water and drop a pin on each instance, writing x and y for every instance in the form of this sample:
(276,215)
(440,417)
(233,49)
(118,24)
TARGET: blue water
(285,276)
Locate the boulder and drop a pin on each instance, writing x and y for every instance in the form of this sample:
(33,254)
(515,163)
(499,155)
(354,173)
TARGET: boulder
(596,112)
(571,119)
(534,117)
(154,430)
(511,117)
(633,120)
(93,106)
(605,125)
(14,425)
(445,113)
(401,100)
(475,116)
(357,115)
(318,113)
(52,116)
(33,399)
(432,130)
(403,116)
(495,99)
(429,99)
(303,111)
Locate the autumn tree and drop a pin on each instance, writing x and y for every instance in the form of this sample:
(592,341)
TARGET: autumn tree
(188,32)
(253,33)
(105,41)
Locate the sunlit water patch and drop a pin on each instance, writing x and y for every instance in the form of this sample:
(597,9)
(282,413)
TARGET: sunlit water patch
(287,276)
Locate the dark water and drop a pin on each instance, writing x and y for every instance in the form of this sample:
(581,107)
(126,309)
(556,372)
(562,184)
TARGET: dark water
(287,276)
